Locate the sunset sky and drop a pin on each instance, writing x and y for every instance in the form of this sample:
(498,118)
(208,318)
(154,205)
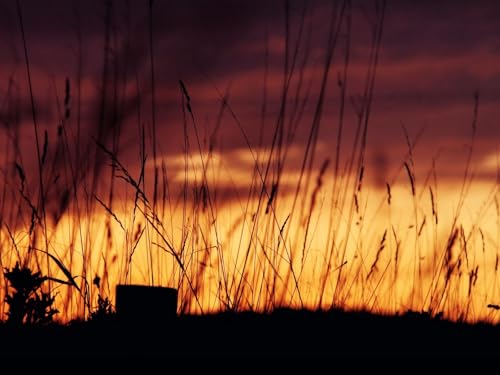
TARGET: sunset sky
(434,56)
(110,71)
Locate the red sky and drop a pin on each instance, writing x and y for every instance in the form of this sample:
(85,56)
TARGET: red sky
(434,56)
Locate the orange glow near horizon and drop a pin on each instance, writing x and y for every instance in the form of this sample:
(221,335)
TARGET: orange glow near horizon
(397,258)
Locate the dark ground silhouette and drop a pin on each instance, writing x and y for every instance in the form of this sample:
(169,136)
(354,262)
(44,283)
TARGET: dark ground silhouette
(282,333)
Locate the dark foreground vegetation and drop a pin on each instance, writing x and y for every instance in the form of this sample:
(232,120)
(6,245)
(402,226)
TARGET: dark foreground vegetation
(283,333)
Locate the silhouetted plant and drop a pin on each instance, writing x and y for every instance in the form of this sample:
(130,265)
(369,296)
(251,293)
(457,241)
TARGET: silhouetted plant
(28,304)
(104,310)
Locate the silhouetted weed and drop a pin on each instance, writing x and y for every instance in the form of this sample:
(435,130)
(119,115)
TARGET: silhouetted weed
(104,310)
(28,304)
